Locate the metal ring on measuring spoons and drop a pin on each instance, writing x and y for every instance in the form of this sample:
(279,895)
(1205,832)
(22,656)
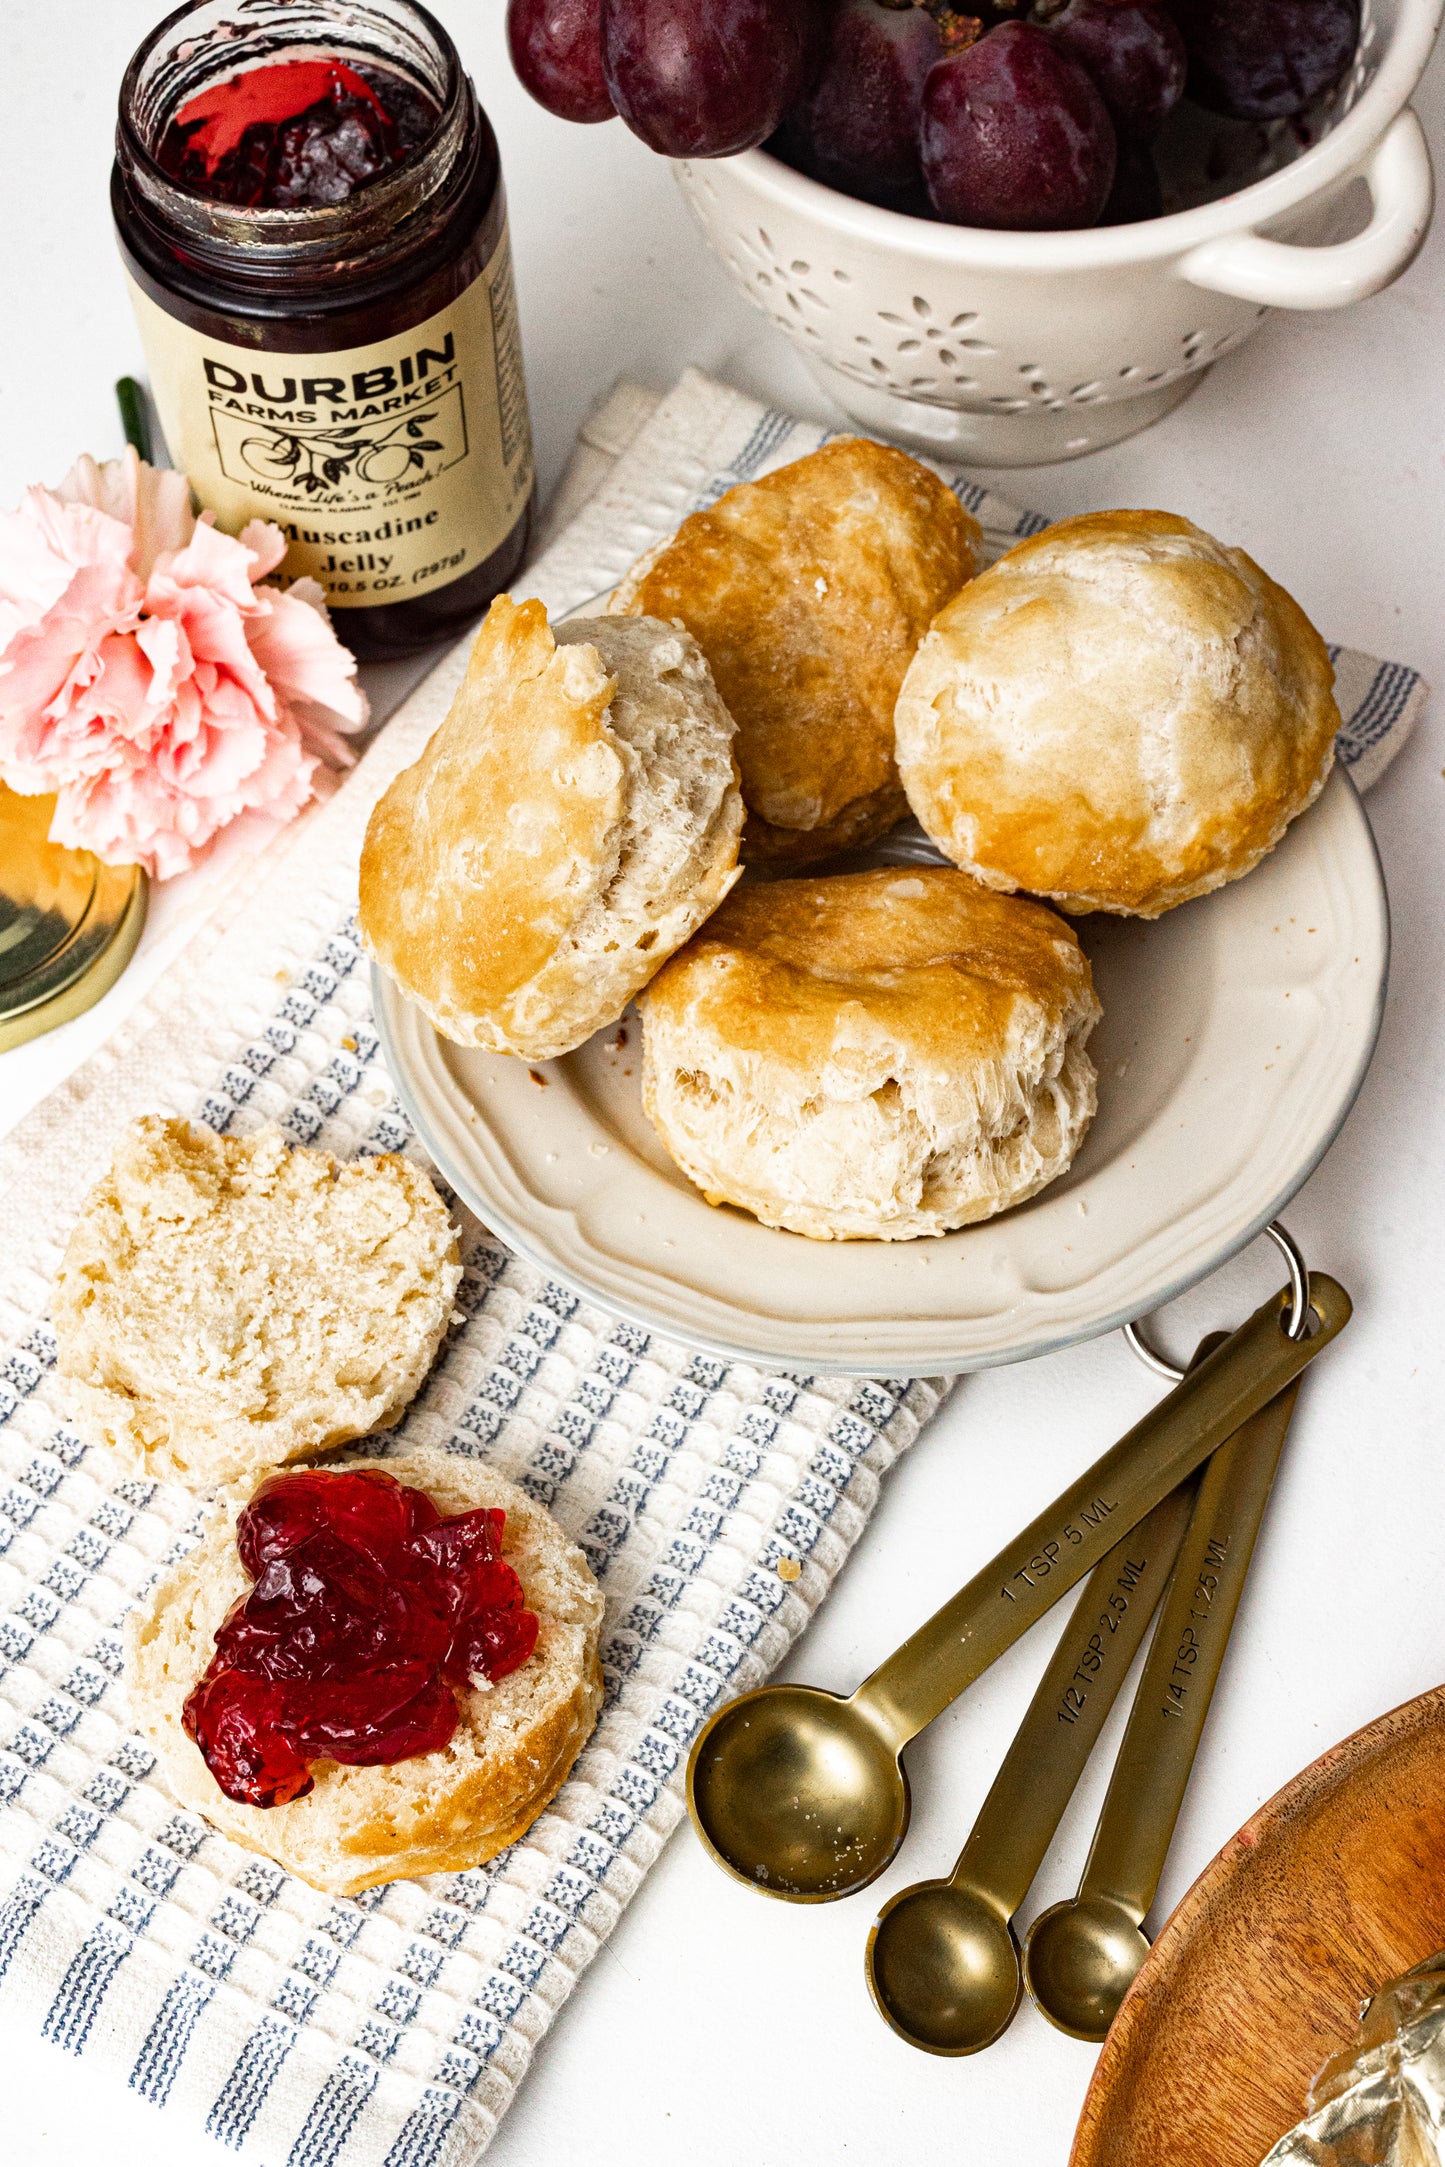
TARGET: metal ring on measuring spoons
(1299,1307)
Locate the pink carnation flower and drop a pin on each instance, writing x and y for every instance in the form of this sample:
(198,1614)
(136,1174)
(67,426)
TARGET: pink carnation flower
(148,680)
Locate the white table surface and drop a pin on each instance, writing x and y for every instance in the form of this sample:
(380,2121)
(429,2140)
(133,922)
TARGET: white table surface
(714,2027)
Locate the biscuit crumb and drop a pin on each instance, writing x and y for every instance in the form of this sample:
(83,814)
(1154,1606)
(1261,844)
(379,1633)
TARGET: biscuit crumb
(536,1078)
(789,1569)
(349,1044)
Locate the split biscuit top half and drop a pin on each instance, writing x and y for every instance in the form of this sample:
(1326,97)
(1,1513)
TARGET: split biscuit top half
(570,823)
(808,592)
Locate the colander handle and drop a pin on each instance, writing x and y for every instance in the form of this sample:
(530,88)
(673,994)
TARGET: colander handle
(1402,192)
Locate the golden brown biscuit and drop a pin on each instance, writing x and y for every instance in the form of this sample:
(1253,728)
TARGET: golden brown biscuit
(1120,715)
(437,1812)
(572,821)
(808,591)
(874,1055)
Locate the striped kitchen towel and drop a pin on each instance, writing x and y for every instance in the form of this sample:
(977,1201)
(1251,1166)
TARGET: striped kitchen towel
(716,1502)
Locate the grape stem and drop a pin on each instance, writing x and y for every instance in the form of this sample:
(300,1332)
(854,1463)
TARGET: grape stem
(956,32)
(949,21)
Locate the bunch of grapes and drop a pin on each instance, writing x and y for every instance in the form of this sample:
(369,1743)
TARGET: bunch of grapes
(693,78)
(1031,115)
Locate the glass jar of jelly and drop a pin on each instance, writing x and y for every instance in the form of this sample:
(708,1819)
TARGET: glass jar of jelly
(310,209)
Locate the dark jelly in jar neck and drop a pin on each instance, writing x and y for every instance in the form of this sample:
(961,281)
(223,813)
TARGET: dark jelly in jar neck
(294,133)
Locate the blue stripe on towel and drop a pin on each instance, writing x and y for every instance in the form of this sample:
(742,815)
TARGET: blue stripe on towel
(243,2094)
(1379,711)
(335,2108)
(87,1981)
(425,2131)
(16,1915)
(164,2048)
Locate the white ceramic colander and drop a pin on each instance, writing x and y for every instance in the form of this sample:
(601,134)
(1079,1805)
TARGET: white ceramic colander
(1013,349)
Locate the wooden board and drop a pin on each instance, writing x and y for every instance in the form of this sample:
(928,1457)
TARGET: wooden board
(1335,1885)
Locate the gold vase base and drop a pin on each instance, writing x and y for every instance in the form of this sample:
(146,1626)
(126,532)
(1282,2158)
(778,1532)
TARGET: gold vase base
(68,924)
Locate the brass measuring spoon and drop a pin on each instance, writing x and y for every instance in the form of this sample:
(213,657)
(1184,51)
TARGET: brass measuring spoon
(1081,1957)
(942,1963)
(801,1793)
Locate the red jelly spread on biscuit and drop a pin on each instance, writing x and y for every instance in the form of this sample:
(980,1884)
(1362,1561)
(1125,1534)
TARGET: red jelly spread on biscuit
(368,1614)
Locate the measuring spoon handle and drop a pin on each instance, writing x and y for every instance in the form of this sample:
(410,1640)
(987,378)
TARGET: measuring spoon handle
(999,1604)
(1146,1791)
(1090,1662)
(1026,1802)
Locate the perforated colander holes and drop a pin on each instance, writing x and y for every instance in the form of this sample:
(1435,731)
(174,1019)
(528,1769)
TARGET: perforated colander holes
(779,282)
(936,354)
(958,331)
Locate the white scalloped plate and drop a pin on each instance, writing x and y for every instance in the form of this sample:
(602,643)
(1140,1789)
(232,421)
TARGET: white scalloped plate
(1236,1034)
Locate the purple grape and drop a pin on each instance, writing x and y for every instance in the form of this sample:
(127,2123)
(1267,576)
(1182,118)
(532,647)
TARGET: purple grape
(705,78)
(1134,52)
(1015,135)
(1266,59)
(556,48)
(857,127)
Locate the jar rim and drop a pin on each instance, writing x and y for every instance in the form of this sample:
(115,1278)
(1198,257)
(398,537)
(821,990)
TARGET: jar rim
(268,232)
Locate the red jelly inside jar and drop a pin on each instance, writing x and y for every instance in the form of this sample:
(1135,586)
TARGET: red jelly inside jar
(369,1613)
(295,133)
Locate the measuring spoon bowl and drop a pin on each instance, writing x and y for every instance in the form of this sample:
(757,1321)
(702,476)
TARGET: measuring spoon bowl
(798,1793)
(1080,1960)
(943,1968)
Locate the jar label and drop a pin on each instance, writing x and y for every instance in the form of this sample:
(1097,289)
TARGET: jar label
(391,469)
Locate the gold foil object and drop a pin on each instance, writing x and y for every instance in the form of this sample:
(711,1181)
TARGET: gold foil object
(1081,1957)
(802,1794)
(1381,2102)
(68,924)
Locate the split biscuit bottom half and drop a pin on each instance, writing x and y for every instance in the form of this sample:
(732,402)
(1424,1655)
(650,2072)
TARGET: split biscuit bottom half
(230,1304)
(515,1742)
(808,591)
(571,822)
(872,1056)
